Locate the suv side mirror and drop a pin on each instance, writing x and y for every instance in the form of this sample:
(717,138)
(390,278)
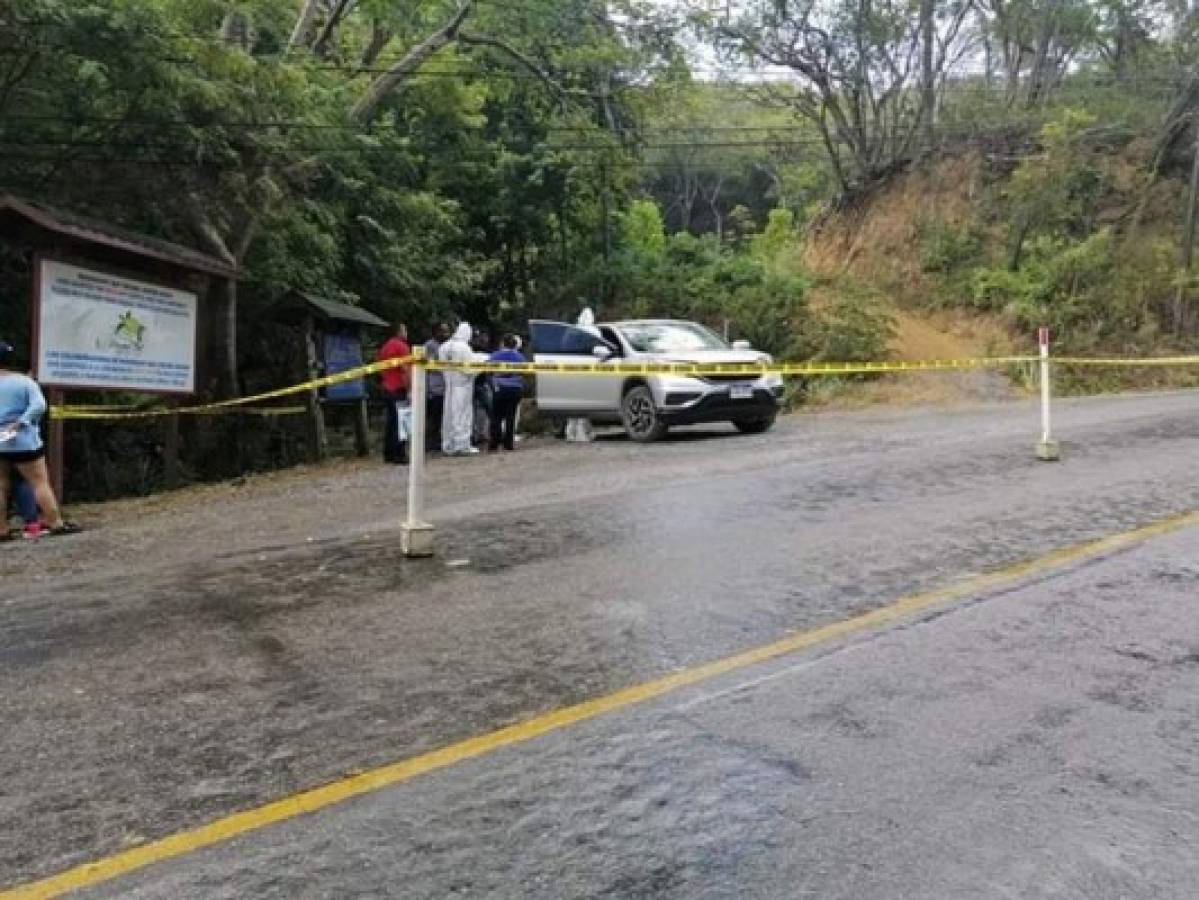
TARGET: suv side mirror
(601,351)
(742,345)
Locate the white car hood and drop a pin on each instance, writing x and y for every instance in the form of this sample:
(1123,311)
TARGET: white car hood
(718,357)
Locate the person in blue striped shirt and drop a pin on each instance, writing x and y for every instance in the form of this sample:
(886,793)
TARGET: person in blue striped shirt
(22,406)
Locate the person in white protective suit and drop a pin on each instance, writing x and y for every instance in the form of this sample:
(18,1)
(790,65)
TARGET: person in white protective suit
(581,430)
(459,395)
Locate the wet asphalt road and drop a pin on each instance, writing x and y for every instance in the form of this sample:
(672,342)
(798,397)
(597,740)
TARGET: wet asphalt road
(1041,743)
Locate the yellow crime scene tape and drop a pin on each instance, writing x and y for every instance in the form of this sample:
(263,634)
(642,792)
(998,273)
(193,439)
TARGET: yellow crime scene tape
(245,405)
(1125,362)
(239,404)
(747,369)
(100,413)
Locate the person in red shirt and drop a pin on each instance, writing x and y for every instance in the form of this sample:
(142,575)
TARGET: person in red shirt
(395,397)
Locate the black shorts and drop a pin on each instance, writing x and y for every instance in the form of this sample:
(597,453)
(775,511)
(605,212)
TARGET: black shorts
(23,456)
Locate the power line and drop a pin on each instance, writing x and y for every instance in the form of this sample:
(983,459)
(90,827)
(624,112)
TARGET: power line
(981,122)
(281,124)
(549,129)
(537,152)
(296,125)
(480,156)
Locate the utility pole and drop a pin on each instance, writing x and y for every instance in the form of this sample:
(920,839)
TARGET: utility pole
(928,100)
(1188,238)
(607,121)
(606,226)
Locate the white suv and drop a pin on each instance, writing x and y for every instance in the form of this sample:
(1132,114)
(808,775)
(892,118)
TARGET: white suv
(647,405)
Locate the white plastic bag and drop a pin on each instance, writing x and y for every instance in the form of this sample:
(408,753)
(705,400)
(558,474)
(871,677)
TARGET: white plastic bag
(579,431)
(404,421)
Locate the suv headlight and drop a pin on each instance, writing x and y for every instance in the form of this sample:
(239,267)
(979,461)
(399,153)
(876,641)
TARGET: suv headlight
(772,380)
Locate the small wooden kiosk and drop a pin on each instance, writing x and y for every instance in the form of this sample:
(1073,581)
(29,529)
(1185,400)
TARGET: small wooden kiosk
(113,310)
(332,335)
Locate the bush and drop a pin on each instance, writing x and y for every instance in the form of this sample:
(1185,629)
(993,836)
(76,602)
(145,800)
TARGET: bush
(1063,284)
(771,314)
(700,278)
(993,290)
(855,328)
(755,290)
(944,247)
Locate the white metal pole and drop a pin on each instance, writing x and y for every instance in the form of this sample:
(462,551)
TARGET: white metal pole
(416,535)
(1047,447)
(1045,426)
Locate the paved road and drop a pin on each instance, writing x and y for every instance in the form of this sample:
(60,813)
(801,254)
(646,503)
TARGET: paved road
(1042,743)
(1039,743)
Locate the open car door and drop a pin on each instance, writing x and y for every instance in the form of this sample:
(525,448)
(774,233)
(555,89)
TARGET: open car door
(565,394)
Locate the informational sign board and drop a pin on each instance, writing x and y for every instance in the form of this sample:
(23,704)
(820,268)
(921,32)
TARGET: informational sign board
(343,351)
(100,331)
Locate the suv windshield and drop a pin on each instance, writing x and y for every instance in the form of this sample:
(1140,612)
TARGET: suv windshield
(670,337)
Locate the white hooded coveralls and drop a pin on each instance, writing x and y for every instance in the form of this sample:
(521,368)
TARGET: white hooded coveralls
(459,393)
(581,430)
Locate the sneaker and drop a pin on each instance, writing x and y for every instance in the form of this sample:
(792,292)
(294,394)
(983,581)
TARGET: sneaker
(35,530)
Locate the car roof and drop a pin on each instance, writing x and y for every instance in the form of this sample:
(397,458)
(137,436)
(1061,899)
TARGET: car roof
(650,322)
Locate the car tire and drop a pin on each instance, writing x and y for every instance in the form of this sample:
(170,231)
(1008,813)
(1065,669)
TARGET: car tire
(755,426)
(640,416)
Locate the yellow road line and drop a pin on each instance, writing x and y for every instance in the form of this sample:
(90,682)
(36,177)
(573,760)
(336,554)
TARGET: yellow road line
(310,801)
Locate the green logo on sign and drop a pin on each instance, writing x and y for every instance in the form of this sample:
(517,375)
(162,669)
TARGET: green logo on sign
(130,333)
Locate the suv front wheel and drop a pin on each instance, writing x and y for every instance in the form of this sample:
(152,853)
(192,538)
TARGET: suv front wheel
(640,416)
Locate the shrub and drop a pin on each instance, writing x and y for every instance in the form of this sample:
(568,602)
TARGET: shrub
(1063,284)
(771,314)
(855,328)
(944,247)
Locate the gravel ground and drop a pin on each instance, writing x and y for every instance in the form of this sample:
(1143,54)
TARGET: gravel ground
(197,654)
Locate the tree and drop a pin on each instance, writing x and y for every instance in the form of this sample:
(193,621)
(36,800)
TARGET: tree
(858,76)
(1125,32)
(1054,191)
(709,148)
(226,122)
(1037,41)
(775,237)
(642,231)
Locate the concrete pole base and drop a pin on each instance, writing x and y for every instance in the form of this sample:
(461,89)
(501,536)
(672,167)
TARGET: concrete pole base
(417,540)
(1049,451)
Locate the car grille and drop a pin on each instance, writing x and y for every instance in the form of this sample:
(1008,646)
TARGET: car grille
(725,379)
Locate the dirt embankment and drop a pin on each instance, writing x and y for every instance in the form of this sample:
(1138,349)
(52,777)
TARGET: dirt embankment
(874,251)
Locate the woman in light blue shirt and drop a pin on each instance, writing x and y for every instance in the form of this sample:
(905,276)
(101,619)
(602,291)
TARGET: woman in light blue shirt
(21,409)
